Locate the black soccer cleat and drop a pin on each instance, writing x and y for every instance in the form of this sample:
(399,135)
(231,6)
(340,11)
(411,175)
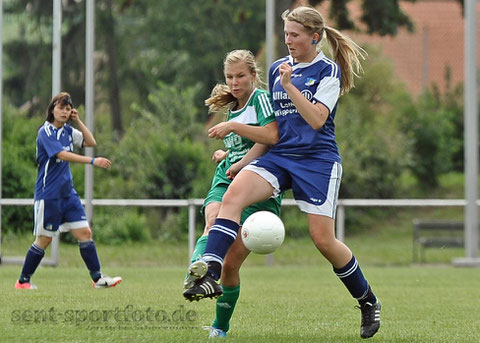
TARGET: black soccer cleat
(370,319)
(205,287)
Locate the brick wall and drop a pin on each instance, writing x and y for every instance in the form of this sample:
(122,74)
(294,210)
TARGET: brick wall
(421,58)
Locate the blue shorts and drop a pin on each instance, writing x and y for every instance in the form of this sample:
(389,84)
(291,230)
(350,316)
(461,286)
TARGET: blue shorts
(315,183)
(52,216)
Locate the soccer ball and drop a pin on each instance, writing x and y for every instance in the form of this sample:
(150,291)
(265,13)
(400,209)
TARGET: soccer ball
(263,232)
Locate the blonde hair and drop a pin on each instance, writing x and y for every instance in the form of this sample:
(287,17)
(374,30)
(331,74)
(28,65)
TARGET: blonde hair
(221,97)
(345,51)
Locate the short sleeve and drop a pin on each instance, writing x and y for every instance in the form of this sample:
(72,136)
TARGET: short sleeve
(328,89)
(264,109)
(77,137)
(50,143)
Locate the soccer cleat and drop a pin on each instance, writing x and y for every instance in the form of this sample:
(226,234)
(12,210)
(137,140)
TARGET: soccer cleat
(205,287)
(25,285)
(370,319)
(106,281)
(214,332)
(196,271)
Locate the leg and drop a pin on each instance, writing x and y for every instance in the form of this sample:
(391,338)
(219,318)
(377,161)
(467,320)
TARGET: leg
(231,285)
(88,251)
(322,231)
(34,256)
(198,267)
(247,188)
(211,212)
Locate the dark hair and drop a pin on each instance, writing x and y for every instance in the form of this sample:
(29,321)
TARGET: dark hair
(61,98)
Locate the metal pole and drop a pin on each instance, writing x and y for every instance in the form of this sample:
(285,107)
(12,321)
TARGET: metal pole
(57,47)
(89,102)
(191,228)
(269,56)
(56,82)
(471,137)
(471,129)
(269,34)
(1,119)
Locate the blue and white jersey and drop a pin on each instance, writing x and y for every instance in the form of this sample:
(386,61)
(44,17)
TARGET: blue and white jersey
(318,81)
(54,179)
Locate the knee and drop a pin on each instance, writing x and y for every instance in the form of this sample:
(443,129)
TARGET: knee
(43,241)
(230,268)
(231,197)
(209,220)
(84,234)
(323,243)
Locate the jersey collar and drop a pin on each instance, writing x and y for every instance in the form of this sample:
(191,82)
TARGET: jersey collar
(294,65)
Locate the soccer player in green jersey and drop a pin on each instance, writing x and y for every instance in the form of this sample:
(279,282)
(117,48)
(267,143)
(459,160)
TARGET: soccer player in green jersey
(248,131)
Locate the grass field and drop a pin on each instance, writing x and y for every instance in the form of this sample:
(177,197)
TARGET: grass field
(278,304)
(299,299)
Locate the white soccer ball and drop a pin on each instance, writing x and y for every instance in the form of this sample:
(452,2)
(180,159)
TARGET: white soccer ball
(263,232)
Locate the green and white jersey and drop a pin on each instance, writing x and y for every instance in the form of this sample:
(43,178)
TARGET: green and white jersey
(257,112)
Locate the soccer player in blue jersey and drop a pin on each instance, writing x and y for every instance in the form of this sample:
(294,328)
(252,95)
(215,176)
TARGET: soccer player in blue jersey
(57,206)
(248,131)
(305,87)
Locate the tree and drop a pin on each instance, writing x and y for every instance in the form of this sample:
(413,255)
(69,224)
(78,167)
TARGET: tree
(381,17)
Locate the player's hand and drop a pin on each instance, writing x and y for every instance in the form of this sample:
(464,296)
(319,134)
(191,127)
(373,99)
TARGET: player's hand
(102,162)
(74,114)
(285,73)
(219,131)
(233,170)
(219,155)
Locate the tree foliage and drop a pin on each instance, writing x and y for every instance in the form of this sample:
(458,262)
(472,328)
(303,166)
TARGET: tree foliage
(435,128)
(168,55)
(374,148)
(382,17)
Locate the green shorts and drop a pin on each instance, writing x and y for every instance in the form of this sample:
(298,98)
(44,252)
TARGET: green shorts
(219,186)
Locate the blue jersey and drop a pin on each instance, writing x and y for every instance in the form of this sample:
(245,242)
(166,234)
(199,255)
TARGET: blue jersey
(54,179)
(318,81)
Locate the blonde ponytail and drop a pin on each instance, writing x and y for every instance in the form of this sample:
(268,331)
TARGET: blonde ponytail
(220,99)
(347,54)
(345,51)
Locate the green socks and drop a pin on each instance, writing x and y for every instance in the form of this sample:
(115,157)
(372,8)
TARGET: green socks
(225,306)
(226,303)
(199,248)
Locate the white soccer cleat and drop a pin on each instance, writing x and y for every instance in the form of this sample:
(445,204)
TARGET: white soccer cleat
(106,281)
(214,332)
(196,271)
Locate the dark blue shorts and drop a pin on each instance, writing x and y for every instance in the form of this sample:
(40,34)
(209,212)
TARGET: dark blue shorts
(53,216)
(315,183)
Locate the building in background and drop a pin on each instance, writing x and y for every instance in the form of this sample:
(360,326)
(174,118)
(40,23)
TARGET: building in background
(422,58)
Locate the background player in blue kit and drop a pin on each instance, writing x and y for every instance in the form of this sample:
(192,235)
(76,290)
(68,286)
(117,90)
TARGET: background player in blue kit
(305,87)
(57,205)
(248,131)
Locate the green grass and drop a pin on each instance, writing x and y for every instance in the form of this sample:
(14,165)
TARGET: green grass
(278,304)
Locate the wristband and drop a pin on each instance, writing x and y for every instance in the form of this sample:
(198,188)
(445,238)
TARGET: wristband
(93,159)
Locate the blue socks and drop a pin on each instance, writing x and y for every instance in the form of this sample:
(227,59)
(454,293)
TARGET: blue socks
(90,257)
(352,277)
(220,237)
(32,260)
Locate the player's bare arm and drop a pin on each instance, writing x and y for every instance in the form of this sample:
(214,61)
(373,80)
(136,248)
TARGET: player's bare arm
(88,139)
(314,114)
(67,156)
